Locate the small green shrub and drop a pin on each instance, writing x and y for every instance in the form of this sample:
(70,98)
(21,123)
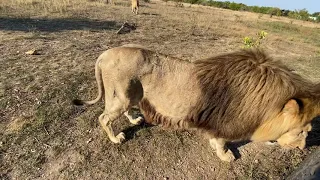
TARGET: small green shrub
(250,42)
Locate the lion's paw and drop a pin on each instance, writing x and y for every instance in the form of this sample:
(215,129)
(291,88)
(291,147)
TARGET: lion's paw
(119,138)
(137,120)
(227,156)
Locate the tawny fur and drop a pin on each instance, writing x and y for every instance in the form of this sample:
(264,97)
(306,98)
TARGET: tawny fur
(109,2)
(237,96)
(135,6)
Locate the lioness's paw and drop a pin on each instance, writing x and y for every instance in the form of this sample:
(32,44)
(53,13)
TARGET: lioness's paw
(226,156)
(137,120)
(119,138)
(271,143)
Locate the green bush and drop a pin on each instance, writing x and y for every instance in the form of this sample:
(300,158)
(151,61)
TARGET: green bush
(250,42)
(297,14)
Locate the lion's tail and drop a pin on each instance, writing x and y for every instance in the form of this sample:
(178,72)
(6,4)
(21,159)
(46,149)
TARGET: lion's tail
(100,88)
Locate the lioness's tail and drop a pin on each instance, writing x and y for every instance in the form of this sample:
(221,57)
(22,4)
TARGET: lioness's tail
(100,87)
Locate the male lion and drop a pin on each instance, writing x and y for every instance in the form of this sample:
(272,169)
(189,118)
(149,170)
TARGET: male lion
(242,95)
(135,6)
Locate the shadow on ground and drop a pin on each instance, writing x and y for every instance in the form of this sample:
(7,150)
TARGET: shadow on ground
(313,138)
(150,14)
(234,147)
(55,25)
(131,131)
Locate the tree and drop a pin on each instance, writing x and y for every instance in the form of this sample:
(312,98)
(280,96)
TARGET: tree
(293,14)
(234,6)
(303,14)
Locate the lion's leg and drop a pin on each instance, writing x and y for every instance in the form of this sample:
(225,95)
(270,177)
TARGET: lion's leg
(115,107)
(223,152)
(106,121)
(132,120)
(120,96)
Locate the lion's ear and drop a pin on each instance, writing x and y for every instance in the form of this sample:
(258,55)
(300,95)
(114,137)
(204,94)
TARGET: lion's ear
(291,107)
(308,127)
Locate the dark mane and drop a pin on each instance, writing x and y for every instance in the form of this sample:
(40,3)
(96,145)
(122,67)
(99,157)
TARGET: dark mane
(240,91)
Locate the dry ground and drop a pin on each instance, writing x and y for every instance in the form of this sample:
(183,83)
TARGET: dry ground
(43,136)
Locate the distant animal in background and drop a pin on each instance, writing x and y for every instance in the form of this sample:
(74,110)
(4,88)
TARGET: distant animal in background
(109,1)
(243,95)
(135,6)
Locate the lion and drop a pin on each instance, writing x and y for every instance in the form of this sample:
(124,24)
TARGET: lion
(242,95)
(135,6)
(109,2)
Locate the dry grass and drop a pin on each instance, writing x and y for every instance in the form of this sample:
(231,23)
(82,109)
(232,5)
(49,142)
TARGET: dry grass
(47,7)
(43,136)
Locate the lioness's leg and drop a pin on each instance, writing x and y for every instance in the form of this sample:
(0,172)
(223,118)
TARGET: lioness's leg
(113,110)
(136,10)
(223,152)
(105,120)
(132,120)
(120,95)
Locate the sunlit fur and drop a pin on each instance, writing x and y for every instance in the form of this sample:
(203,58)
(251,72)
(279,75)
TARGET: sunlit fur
(243,95)
(244,92)
(135,6)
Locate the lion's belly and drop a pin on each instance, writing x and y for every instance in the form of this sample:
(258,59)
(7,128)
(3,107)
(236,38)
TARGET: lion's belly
(173,96)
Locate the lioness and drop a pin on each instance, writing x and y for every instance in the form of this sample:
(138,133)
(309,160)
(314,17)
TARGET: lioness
(135,6)
(109,2)
(242,95)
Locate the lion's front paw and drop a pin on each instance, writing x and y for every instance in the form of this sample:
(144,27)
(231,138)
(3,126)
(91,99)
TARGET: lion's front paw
(119,138)
(137,120)
(271,143)
(226,156)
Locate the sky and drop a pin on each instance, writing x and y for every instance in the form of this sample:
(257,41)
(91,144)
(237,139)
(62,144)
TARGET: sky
(311,5)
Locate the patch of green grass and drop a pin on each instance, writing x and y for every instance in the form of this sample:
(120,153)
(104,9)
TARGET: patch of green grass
(47,127)
(281,27)
(312,36)
(296,32)
(4,102)
(56,104)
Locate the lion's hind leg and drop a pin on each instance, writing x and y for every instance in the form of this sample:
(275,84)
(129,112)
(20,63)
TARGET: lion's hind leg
(106,119)
(134,94)
(119,99)
(219,144)
(115,105)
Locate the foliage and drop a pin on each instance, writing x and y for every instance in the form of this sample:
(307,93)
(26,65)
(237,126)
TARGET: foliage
(302,14)
(193,1)
(275,11)
(250,42)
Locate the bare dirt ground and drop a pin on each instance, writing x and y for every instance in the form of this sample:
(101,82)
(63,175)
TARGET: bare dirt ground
(43,136)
